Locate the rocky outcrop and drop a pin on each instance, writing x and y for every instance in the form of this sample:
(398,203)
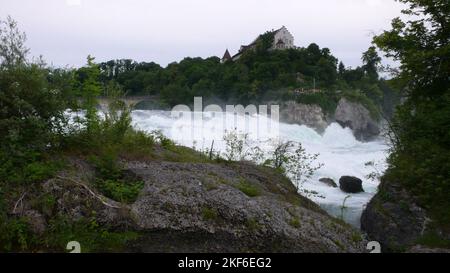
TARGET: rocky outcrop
(236,207)
(350,184)
(348,114)
(303,114)
(328,181)
(205,207)
(356,117)
(394,219)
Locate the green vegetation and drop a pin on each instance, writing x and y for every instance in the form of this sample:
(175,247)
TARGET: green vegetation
(290,158)
(420,138)
(327,100)
(356,237)
(295,222)
(259,75)
(91,236)
(432,239)
(209,214)
(248,188)
(37,137)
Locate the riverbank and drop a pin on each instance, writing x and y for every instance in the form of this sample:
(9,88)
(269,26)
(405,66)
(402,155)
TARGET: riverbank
(171,192)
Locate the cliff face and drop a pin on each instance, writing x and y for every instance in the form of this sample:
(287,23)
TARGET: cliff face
(198,207)
(303,114)
(347,114)
(356,117)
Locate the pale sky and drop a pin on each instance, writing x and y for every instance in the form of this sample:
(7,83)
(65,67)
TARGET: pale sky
(163,31)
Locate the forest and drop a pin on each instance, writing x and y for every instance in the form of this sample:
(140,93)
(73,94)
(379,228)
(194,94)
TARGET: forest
(259,75)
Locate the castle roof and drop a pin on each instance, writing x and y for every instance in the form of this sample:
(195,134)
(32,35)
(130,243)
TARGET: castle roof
(226,56)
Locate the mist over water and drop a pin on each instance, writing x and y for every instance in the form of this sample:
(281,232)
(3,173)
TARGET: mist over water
(338,150)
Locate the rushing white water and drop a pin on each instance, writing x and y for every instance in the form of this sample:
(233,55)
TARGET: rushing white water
(338,150)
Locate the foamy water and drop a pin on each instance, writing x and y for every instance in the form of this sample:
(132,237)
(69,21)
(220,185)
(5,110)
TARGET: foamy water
(338,150)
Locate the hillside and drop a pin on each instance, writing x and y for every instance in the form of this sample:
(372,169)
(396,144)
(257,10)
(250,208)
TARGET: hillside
(172,200)
(308,75)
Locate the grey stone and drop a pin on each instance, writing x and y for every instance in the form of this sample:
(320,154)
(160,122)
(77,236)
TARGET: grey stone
(303,114)
(328,181)
(356,117)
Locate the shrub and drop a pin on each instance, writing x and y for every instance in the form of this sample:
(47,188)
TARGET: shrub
(91,236)
(326,101)
(293,160)
(112,182)
(120,190)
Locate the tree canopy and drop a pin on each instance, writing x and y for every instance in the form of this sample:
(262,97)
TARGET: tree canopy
(421,128)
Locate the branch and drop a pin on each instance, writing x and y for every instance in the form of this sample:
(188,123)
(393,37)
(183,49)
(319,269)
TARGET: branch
(89,190)
(18,201)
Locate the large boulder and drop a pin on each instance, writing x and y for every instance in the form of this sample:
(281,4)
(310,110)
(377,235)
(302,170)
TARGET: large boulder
(303,114)
(397,222)
(203,207)
(231,208)
(350,184)
(358,118)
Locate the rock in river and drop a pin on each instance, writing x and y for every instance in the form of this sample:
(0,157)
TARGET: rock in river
(328,181)
(350,184)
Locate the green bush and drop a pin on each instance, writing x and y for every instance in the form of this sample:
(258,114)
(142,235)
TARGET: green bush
(15,234)
(326,100)
(112,182)
(120,190)
(91,236)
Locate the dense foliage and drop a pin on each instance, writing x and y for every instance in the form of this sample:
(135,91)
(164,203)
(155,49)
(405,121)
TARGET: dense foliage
(31,105)
(259,75)
(37,136)
(421,128)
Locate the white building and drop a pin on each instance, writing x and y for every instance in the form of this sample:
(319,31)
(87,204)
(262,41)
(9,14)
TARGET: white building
(282,39)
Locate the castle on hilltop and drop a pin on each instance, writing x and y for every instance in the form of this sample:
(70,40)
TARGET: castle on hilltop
(282,39)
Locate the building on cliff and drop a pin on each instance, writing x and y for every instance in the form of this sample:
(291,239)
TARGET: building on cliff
(282,39)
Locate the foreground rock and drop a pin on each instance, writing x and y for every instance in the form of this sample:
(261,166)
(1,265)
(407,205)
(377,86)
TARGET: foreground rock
(205,207)
(356,117)
(394,219)
(228,208)
(350,184)
(328,181)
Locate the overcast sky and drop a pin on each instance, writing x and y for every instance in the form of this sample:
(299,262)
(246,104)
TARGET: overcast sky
(163,31)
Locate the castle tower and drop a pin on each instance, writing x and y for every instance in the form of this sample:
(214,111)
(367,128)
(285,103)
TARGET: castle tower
(226,57)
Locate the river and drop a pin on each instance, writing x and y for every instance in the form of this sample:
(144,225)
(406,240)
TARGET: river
(339,152)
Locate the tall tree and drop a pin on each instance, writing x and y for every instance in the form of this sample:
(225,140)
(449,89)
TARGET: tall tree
(90,89)
(31,108)
(12,43)
(421,139)
(341,68)
(371,61)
